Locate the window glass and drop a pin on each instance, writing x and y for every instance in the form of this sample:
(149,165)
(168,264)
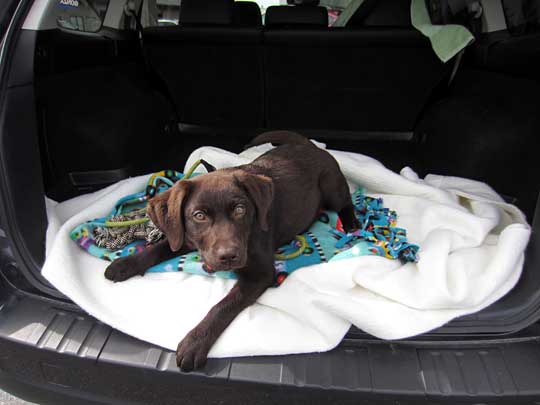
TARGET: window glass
(167,12)
(81,15)
(335,8)
(264,4)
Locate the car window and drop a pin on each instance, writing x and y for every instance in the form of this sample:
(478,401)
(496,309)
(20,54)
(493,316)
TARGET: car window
(264,4)
(167,12)
(81,15)
(335,8)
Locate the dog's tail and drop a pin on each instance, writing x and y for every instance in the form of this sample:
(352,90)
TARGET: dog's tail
(279,138)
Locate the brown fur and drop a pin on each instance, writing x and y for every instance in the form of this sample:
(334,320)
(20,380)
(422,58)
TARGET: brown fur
(237,218)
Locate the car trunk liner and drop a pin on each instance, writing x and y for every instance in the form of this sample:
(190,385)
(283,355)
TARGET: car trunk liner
(58,346)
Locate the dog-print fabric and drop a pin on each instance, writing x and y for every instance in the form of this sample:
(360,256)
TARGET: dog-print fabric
(127,230)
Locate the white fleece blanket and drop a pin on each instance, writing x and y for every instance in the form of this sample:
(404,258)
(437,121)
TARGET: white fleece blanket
(471,254)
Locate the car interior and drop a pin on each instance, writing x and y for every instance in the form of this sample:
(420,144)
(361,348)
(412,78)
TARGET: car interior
(219,77)
(87,105)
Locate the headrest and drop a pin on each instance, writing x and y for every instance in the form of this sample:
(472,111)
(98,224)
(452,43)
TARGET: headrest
(282,16)
(246,14)
(206,12)
(303,2)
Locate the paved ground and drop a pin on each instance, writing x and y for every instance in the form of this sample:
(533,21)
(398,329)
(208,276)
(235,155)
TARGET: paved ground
(6,399)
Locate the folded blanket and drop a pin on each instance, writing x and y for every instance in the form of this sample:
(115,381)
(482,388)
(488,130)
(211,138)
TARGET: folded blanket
(127,230)
(471,254)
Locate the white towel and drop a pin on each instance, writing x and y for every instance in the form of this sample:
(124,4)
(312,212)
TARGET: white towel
(471,254)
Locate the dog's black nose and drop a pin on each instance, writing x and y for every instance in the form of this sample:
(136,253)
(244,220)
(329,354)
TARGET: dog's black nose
(227,255)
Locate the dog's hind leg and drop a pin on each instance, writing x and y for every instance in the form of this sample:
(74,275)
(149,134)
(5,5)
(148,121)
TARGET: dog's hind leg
(348,218)
(336,197)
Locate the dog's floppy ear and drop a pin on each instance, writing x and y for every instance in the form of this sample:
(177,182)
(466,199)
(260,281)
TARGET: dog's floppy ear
(165,211)
(261,191)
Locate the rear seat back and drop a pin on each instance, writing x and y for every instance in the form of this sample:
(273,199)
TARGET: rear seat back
(223,71)
(350,79)
(212,68)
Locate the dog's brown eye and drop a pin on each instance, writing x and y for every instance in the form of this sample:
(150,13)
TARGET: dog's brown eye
(199,215)
(239,210)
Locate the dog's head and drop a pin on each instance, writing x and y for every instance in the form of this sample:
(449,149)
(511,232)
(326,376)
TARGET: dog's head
(215,213)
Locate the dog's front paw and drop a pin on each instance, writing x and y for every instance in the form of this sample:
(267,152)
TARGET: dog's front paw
(192,352)
(122,269)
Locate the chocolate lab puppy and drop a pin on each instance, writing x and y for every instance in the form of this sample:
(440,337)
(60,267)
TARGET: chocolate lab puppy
(237,218)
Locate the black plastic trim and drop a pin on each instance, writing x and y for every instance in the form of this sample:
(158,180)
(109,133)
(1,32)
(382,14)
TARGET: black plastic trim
(23,255)
(50,350)
(98,178)
(195,129)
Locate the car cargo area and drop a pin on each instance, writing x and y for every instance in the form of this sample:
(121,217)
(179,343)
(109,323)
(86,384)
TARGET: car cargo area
(83,110)
(107,109)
